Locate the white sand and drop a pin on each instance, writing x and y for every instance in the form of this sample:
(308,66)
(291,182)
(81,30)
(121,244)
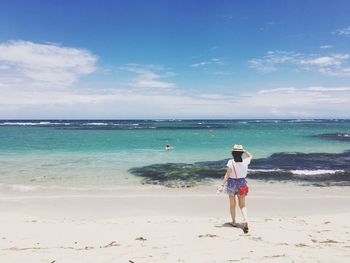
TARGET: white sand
(288,223)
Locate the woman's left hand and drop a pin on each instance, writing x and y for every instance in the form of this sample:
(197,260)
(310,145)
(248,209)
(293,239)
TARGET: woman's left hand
(220,188)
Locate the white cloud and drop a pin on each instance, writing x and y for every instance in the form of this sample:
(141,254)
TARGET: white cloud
(213,61)
(326,46)
(310,97)
(261,66)
(291,102)
(283,102)
(334,60)
(333,64)
(278,90)
(27,66)
(148,78)
(214,96)
(342,31)
(43,65)
(271,60)
(328,89)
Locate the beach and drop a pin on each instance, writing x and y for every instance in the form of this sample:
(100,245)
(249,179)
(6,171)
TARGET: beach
(108,191)
(125,124)
(288,223)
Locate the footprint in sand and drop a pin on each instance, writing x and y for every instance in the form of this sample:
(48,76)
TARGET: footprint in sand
(275,256)
(88,248)
(141,239)
(283,244)
(329,241)
(111,244)
(207,235)
(237,260)
(301,245)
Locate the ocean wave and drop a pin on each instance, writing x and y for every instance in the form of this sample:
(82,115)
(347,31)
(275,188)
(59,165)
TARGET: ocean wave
(96,123)
(315,172)
(264,170)
(20,123)
(259,121)
(20,187)
(297,172)
(41,123)
(306,120)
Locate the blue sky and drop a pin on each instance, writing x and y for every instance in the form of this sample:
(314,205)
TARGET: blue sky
(175,59)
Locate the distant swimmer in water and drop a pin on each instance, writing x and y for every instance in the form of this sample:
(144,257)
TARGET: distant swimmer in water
(167,147)
(210,131)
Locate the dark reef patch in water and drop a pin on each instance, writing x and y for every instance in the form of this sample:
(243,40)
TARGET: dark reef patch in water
(334,136)
(277,167)
(304,161)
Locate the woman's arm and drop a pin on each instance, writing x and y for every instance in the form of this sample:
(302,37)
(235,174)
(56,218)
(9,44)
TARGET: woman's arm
(228,172)
(248,154)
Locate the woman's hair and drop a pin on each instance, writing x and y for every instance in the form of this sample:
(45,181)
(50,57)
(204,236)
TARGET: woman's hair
(237,156)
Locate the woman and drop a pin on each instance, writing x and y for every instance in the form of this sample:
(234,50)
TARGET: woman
(237,169)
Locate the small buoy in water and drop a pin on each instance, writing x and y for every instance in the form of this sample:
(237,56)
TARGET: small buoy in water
(167,147)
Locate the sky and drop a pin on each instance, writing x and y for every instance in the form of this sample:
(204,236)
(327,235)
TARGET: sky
(104,59)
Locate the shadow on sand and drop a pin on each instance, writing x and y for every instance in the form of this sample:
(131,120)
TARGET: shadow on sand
(229,224)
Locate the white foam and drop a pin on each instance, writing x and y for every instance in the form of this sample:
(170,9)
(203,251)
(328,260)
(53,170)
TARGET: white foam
(20,123)
(96,123)
(299,172)
(23,188)
(265,170)
(315,172)
(33,123)
(305,120)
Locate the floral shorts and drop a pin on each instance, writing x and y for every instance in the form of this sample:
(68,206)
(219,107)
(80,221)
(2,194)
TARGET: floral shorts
(231,186)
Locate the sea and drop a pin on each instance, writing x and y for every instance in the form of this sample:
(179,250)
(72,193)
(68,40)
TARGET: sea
(89,154)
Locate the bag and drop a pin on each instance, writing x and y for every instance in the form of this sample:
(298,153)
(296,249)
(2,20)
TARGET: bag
(242,189)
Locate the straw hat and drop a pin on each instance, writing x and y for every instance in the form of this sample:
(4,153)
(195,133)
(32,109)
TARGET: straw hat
(237,148)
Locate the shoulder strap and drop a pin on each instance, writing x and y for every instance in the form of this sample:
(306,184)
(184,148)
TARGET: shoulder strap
(234,169)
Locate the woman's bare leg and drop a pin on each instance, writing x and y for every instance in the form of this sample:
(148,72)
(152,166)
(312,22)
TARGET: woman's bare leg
(233,208)
(241,202)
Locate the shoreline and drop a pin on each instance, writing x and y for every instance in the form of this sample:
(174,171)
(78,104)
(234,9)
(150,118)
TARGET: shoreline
(160,200)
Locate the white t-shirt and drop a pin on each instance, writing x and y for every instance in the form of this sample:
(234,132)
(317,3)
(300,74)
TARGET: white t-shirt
(241,168)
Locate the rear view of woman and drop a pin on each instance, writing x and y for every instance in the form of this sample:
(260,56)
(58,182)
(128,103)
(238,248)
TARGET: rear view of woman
(235,183)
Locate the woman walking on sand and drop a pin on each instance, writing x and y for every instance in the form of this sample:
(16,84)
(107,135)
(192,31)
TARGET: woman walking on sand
(235,184)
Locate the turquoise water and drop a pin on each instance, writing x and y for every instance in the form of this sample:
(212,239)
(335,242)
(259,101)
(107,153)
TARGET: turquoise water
(99,153)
